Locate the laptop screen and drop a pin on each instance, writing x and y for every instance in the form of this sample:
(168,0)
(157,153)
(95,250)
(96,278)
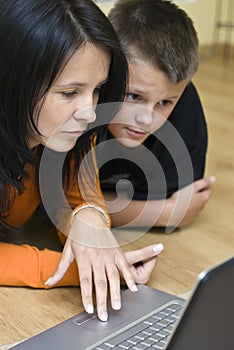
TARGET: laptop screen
(207,323)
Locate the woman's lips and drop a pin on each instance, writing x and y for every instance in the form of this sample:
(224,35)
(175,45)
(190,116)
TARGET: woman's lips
(135,133)
(76,133)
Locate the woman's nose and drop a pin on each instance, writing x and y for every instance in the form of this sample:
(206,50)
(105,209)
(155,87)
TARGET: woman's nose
(86,111)
(87,114)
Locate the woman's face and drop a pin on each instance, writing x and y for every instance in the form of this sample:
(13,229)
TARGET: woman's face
(69,105)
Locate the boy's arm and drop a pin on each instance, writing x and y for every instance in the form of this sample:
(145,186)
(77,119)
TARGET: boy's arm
(157,213)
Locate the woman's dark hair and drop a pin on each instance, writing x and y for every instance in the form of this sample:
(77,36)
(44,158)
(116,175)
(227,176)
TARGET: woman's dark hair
(37,38)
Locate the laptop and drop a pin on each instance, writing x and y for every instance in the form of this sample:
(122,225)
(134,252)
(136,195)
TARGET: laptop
(152,319)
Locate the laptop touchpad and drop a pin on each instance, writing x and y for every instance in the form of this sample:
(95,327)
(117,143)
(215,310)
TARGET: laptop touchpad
(92,322)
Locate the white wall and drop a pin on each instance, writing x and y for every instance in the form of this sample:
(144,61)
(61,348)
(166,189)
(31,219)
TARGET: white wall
(202,13)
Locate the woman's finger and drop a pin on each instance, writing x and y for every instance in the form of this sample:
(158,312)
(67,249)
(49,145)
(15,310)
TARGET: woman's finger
(143,254)
(114,285)
(64,263)
(100,282)
(86,282)
(123,267)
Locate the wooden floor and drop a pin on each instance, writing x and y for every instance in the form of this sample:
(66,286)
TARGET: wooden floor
(187,251)
(215,82)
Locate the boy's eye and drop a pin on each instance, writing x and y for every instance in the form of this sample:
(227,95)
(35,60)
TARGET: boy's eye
(132,97)
(164,103)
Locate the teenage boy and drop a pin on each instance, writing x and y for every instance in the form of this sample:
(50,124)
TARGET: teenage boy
(162,48)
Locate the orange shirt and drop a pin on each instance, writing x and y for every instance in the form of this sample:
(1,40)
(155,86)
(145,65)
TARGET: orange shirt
(25,265)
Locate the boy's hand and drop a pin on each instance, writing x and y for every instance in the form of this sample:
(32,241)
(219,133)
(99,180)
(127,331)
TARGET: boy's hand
(143,261)
(201,193)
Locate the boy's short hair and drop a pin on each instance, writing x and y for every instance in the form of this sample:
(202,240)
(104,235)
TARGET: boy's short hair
(160,32)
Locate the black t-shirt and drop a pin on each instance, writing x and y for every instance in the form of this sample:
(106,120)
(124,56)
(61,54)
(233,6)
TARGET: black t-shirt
(168,160)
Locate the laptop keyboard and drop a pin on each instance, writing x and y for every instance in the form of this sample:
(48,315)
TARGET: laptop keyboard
(150,333)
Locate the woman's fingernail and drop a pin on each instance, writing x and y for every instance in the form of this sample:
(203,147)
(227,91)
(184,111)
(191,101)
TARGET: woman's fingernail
(134,288)
(103,316)
(212,178)
(89,308)
(49,281)
(157,248)
(117,305)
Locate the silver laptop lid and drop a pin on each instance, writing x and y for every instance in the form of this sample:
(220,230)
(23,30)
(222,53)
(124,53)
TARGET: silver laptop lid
(207,321)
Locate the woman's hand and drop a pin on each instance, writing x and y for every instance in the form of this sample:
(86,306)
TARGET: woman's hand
(99,259)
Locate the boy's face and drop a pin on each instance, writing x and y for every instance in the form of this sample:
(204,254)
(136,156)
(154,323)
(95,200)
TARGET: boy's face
(150,99)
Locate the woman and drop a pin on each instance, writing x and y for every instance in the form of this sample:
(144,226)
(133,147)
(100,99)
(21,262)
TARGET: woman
(59,58)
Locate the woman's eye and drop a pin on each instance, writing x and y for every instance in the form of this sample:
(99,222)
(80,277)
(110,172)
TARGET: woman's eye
(133,97)
(68,93)
(97,90)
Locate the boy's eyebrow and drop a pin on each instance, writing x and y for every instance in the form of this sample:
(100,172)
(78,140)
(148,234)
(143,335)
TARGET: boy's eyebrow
(171,97)
(140,91)
(136,90)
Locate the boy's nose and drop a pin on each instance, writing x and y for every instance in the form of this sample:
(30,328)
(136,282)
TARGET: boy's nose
(144,115)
